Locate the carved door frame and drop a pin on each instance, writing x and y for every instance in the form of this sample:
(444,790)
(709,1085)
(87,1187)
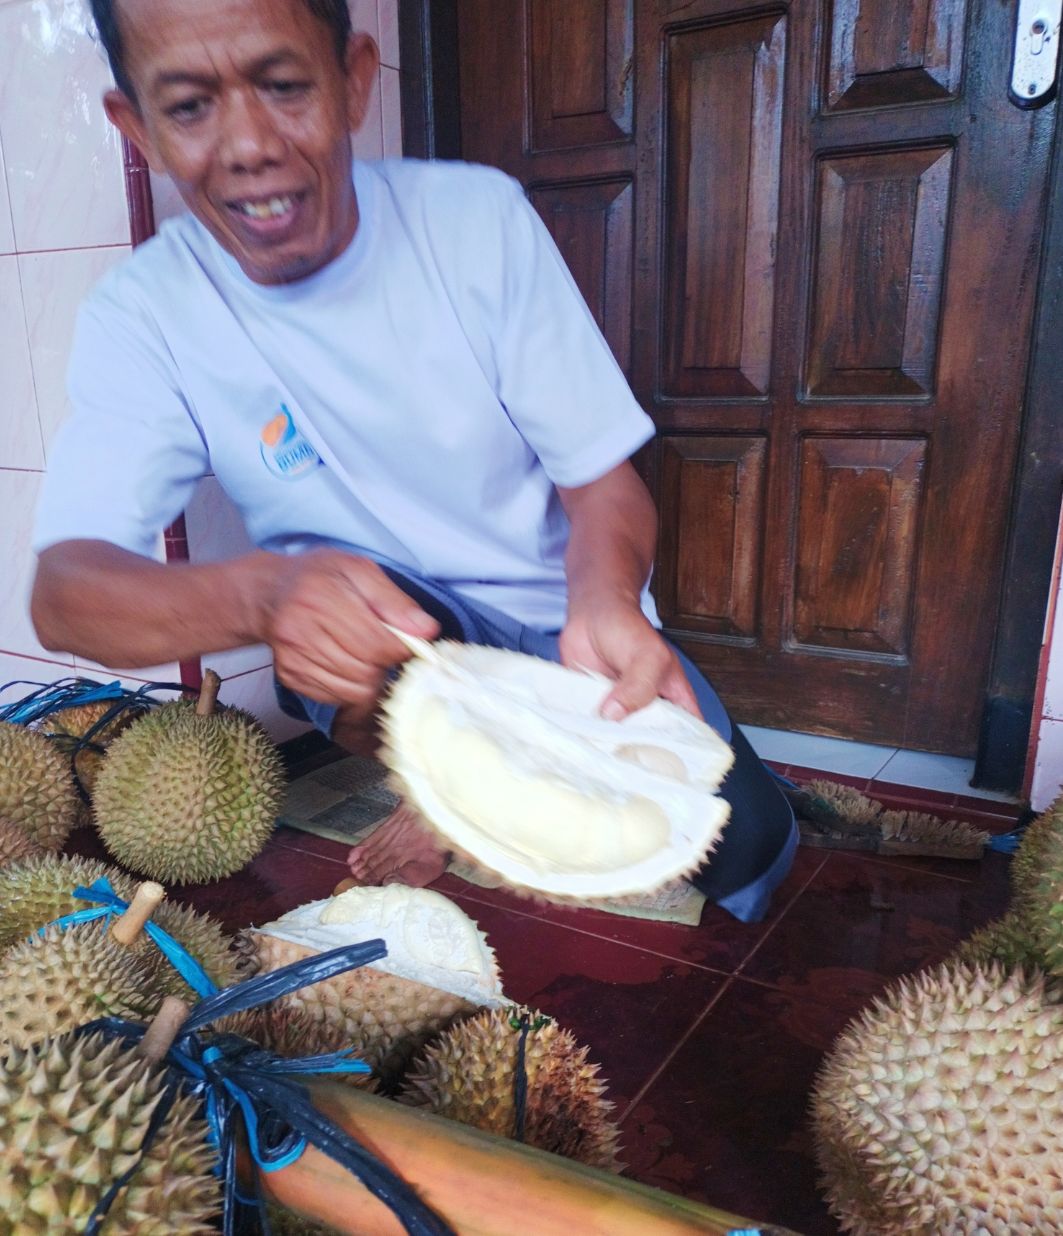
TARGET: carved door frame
(431,129)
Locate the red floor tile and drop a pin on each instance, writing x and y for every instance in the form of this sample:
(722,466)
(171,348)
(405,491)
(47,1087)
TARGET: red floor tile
(726,1121)
(630,1007)
(871,915)
(719,942)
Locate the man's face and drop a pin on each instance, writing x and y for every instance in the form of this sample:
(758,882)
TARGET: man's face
(247,107)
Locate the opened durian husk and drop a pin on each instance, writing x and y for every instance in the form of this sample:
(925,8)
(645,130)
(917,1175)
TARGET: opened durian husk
(507,757)
(439,968)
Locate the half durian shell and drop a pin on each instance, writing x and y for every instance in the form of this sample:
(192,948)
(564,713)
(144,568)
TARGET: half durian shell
(507,758)
(439,969)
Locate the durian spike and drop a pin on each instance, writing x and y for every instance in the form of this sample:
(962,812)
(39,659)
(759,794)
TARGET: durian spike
(208,694)
(146,901)
(162,1029)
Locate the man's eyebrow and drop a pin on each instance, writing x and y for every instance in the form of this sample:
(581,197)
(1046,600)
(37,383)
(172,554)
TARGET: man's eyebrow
(186,77)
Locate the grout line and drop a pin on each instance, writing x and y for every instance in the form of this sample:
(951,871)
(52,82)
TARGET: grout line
(782,914)
(638,948)
(287,845)
(670,1056)
(118,244)
(889,758)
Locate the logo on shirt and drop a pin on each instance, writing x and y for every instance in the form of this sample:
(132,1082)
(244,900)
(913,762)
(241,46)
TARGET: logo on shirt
(285,452)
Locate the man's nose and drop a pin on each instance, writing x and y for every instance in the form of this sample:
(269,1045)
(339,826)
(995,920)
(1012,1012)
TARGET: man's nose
(250,140)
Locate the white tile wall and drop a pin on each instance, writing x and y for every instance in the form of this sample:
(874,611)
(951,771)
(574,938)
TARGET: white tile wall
(7,229)
(364,18)
(53,286)
(388,38)
(63,158)
(1053,702)
(368,142)
(1048,766)
(18,498)
(20,429)
(391,113)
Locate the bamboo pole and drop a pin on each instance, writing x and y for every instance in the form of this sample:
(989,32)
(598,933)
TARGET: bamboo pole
(482,1185)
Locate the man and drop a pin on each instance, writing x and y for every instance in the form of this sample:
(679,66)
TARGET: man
(391,373)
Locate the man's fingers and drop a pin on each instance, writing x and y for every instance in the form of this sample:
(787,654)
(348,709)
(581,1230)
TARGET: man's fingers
(678,690)
(390,604)
(636,687)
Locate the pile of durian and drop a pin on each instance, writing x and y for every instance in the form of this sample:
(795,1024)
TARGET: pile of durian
(939,1111)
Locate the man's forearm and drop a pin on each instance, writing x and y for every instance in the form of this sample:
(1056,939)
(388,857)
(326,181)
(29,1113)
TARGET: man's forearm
(97,601)
(612,540)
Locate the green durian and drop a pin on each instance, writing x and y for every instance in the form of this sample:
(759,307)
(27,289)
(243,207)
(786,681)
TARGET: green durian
(73,1114)
(39,890)
(938,1110)
(188,794)
(468,1074)
(1037,880)
(36,789)
(1009,941)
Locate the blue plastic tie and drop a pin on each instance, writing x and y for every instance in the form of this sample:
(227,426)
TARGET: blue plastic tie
(108,904)
(1006,843)
(241,1082)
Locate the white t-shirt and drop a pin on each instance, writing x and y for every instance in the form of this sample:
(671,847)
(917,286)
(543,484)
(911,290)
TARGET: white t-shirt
(418,398)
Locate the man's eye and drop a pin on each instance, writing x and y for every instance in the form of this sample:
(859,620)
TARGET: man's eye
(188,109)
(287,89)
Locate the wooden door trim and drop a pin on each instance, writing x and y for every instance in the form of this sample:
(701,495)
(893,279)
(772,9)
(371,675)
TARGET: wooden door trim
(1008,714)
(432,129)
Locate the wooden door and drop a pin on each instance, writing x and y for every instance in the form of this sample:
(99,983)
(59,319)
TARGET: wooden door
(810,233)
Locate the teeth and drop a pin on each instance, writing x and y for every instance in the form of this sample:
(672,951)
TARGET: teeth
(272,209)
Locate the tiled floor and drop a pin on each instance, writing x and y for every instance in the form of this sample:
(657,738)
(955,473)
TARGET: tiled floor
(709,1036)
(921,769)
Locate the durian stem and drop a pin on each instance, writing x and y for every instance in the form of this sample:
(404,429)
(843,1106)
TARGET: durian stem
(144,904)
(163,1028)
(208,694)
(343,886)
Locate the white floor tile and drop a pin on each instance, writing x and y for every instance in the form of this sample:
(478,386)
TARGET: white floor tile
(853,759)
(947,773)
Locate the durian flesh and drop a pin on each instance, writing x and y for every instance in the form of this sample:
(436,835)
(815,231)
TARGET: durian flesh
(508,758)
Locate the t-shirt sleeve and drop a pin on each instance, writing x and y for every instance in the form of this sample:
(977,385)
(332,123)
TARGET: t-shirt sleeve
(125,462)
(557,378)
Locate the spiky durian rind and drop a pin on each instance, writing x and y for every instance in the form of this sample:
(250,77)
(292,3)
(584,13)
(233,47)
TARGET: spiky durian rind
(468,1075)
(36,789)
(383,1017)
(39,890)
(16,844)
(188,799)
(1009,941)
(1037,880)
(60,980)
(938,1109)
(73,1114)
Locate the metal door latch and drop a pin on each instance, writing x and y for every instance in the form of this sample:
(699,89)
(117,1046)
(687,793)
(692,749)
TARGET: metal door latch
(1035,61)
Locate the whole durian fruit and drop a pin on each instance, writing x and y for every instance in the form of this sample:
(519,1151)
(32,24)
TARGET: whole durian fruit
(36,790)
(1037,878)
(66,728)
(1010,941)
(15,844)
(439,967)
(938,1109)
(508,758)
(60,980)
(188,794)
(73,1114)
(39,890)
(469,1074)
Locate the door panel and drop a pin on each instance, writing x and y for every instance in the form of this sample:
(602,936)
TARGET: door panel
(810,232)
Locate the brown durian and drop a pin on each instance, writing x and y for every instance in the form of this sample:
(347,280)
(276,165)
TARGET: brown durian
(188,794)
(37,891)
(469,1074)
(439,968)
(16,845)
(938,1110)
(36,790)
(73,1114)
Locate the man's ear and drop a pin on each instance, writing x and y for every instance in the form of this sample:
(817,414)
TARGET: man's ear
(124,114)
(361,63)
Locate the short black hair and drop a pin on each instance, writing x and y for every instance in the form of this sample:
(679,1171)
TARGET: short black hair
(334,13)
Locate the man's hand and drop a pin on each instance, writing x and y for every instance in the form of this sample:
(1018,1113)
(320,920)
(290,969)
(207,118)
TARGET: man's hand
(324,619)
(617,640)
